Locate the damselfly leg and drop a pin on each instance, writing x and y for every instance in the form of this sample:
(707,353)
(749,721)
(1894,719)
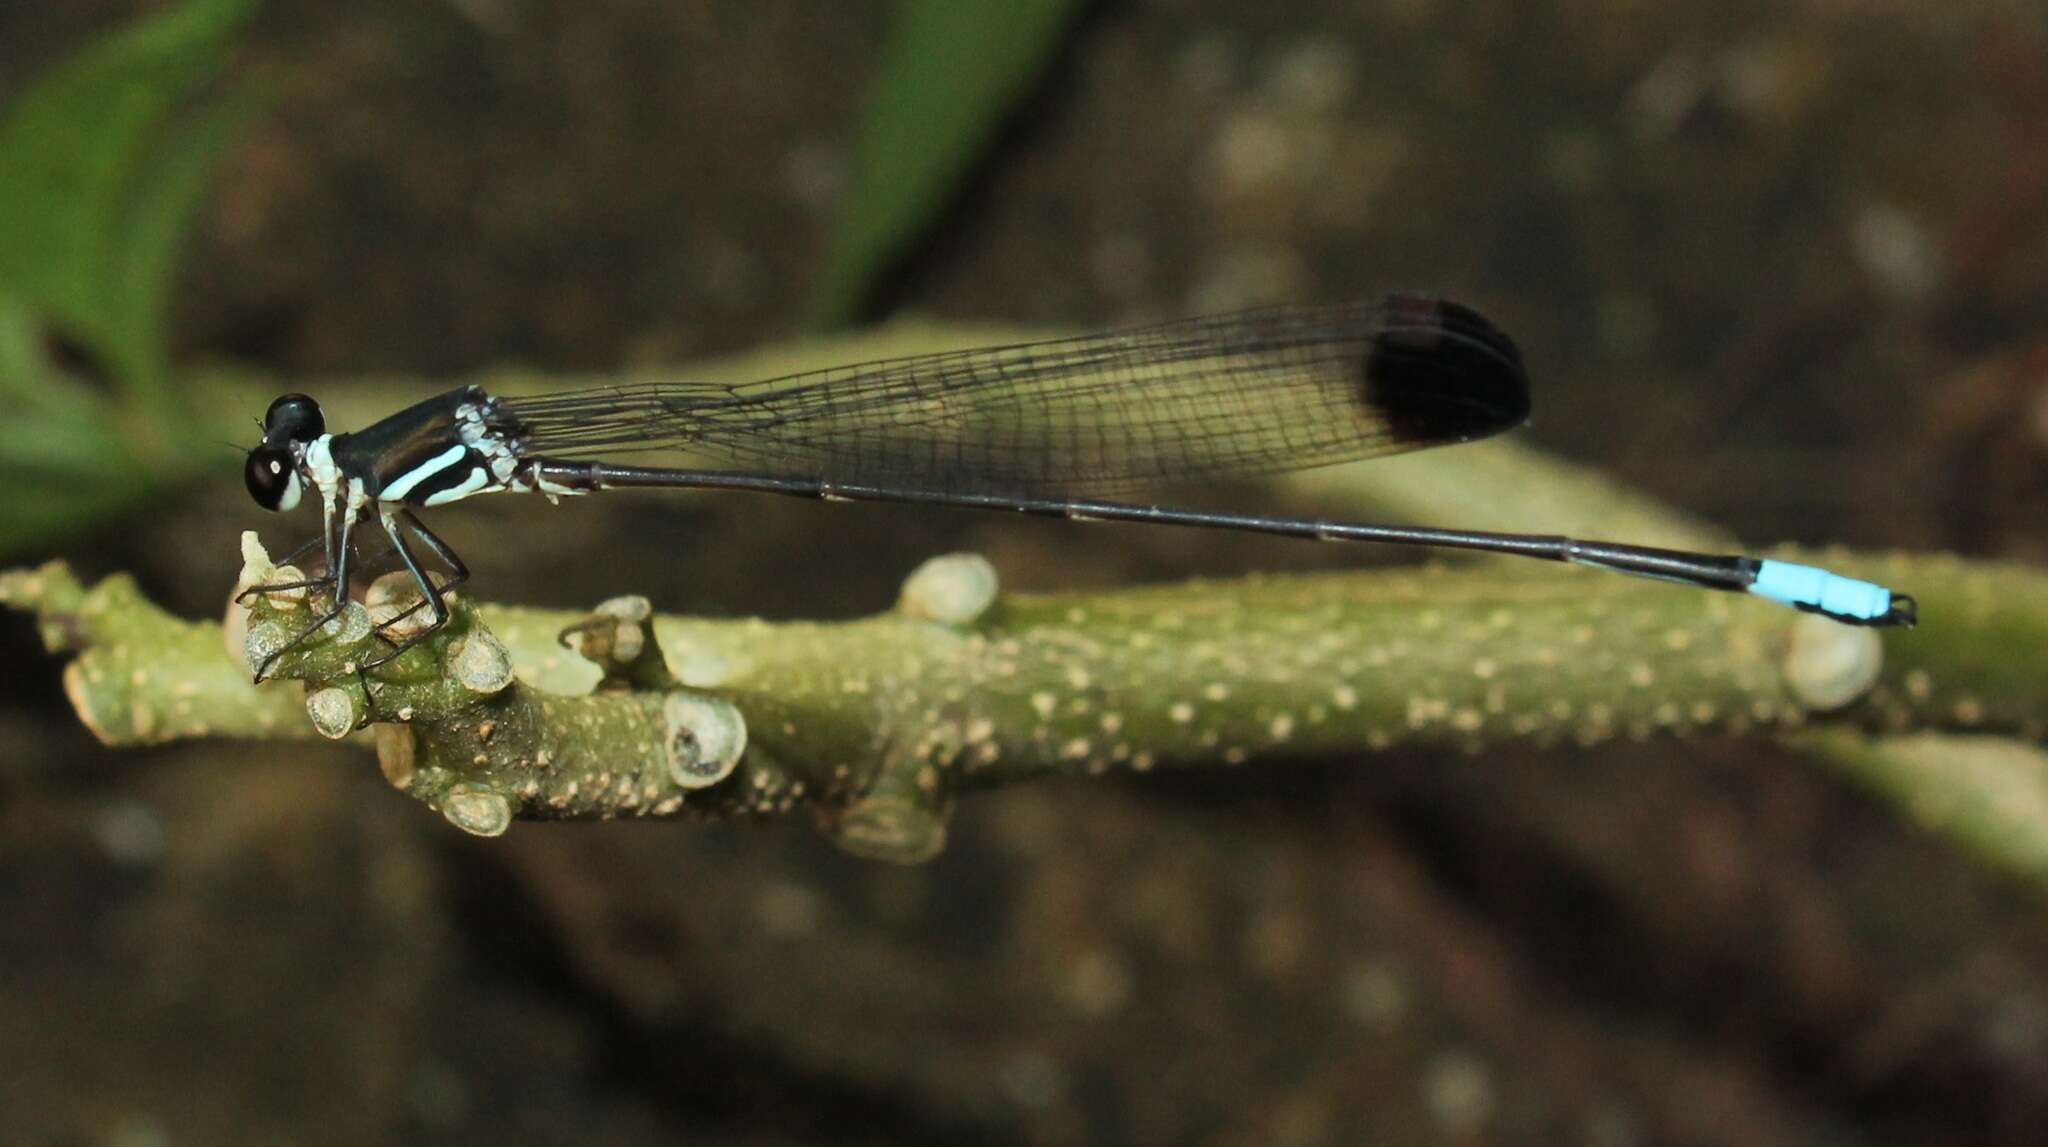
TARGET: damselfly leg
(430,594)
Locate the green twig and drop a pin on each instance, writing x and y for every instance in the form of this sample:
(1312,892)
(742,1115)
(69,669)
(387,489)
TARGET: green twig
(141,676)
(880,723)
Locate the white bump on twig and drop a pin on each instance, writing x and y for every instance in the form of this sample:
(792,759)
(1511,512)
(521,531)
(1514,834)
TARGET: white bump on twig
(705,739)
(480,664)
(477,811)
(333,711)
(1829,665)
(952,589)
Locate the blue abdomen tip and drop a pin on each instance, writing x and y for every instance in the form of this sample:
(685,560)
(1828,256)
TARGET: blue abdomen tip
(1816,589)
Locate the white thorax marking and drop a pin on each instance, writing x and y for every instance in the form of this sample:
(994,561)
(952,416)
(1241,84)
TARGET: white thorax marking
(397,489)
(478,479)
(317,460)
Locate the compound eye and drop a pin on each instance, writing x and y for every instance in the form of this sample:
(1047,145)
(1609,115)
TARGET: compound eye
(273,480)
(293,418)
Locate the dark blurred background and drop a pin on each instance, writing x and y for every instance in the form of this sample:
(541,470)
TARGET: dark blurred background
(1783,264)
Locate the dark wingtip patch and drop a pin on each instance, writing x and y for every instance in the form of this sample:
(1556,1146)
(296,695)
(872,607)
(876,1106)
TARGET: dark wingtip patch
(1440,372)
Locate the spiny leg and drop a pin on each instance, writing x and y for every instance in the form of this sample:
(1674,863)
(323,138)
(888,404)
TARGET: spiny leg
(340,580)
(429,595)
(458,573)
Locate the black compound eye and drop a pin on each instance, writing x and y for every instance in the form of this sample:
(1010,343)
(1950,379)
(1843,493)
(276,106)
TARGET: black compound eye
(293,418)
(273,480)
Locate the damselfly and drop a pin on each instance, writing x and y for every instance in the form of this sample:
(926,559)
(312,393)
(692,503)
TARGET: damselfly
(1039,428)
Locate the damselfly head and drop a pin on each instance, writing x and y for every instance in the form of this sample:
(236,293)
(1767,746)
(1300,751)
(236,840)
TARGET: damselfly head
(273,477)
(292,418)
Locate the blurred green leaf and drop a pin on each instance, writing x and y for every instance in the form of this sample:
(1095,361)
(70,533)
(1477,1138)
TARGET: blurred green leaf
(950,73)
(98,178)
(153,235)
(21,357)
(102,165)
(64,460)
